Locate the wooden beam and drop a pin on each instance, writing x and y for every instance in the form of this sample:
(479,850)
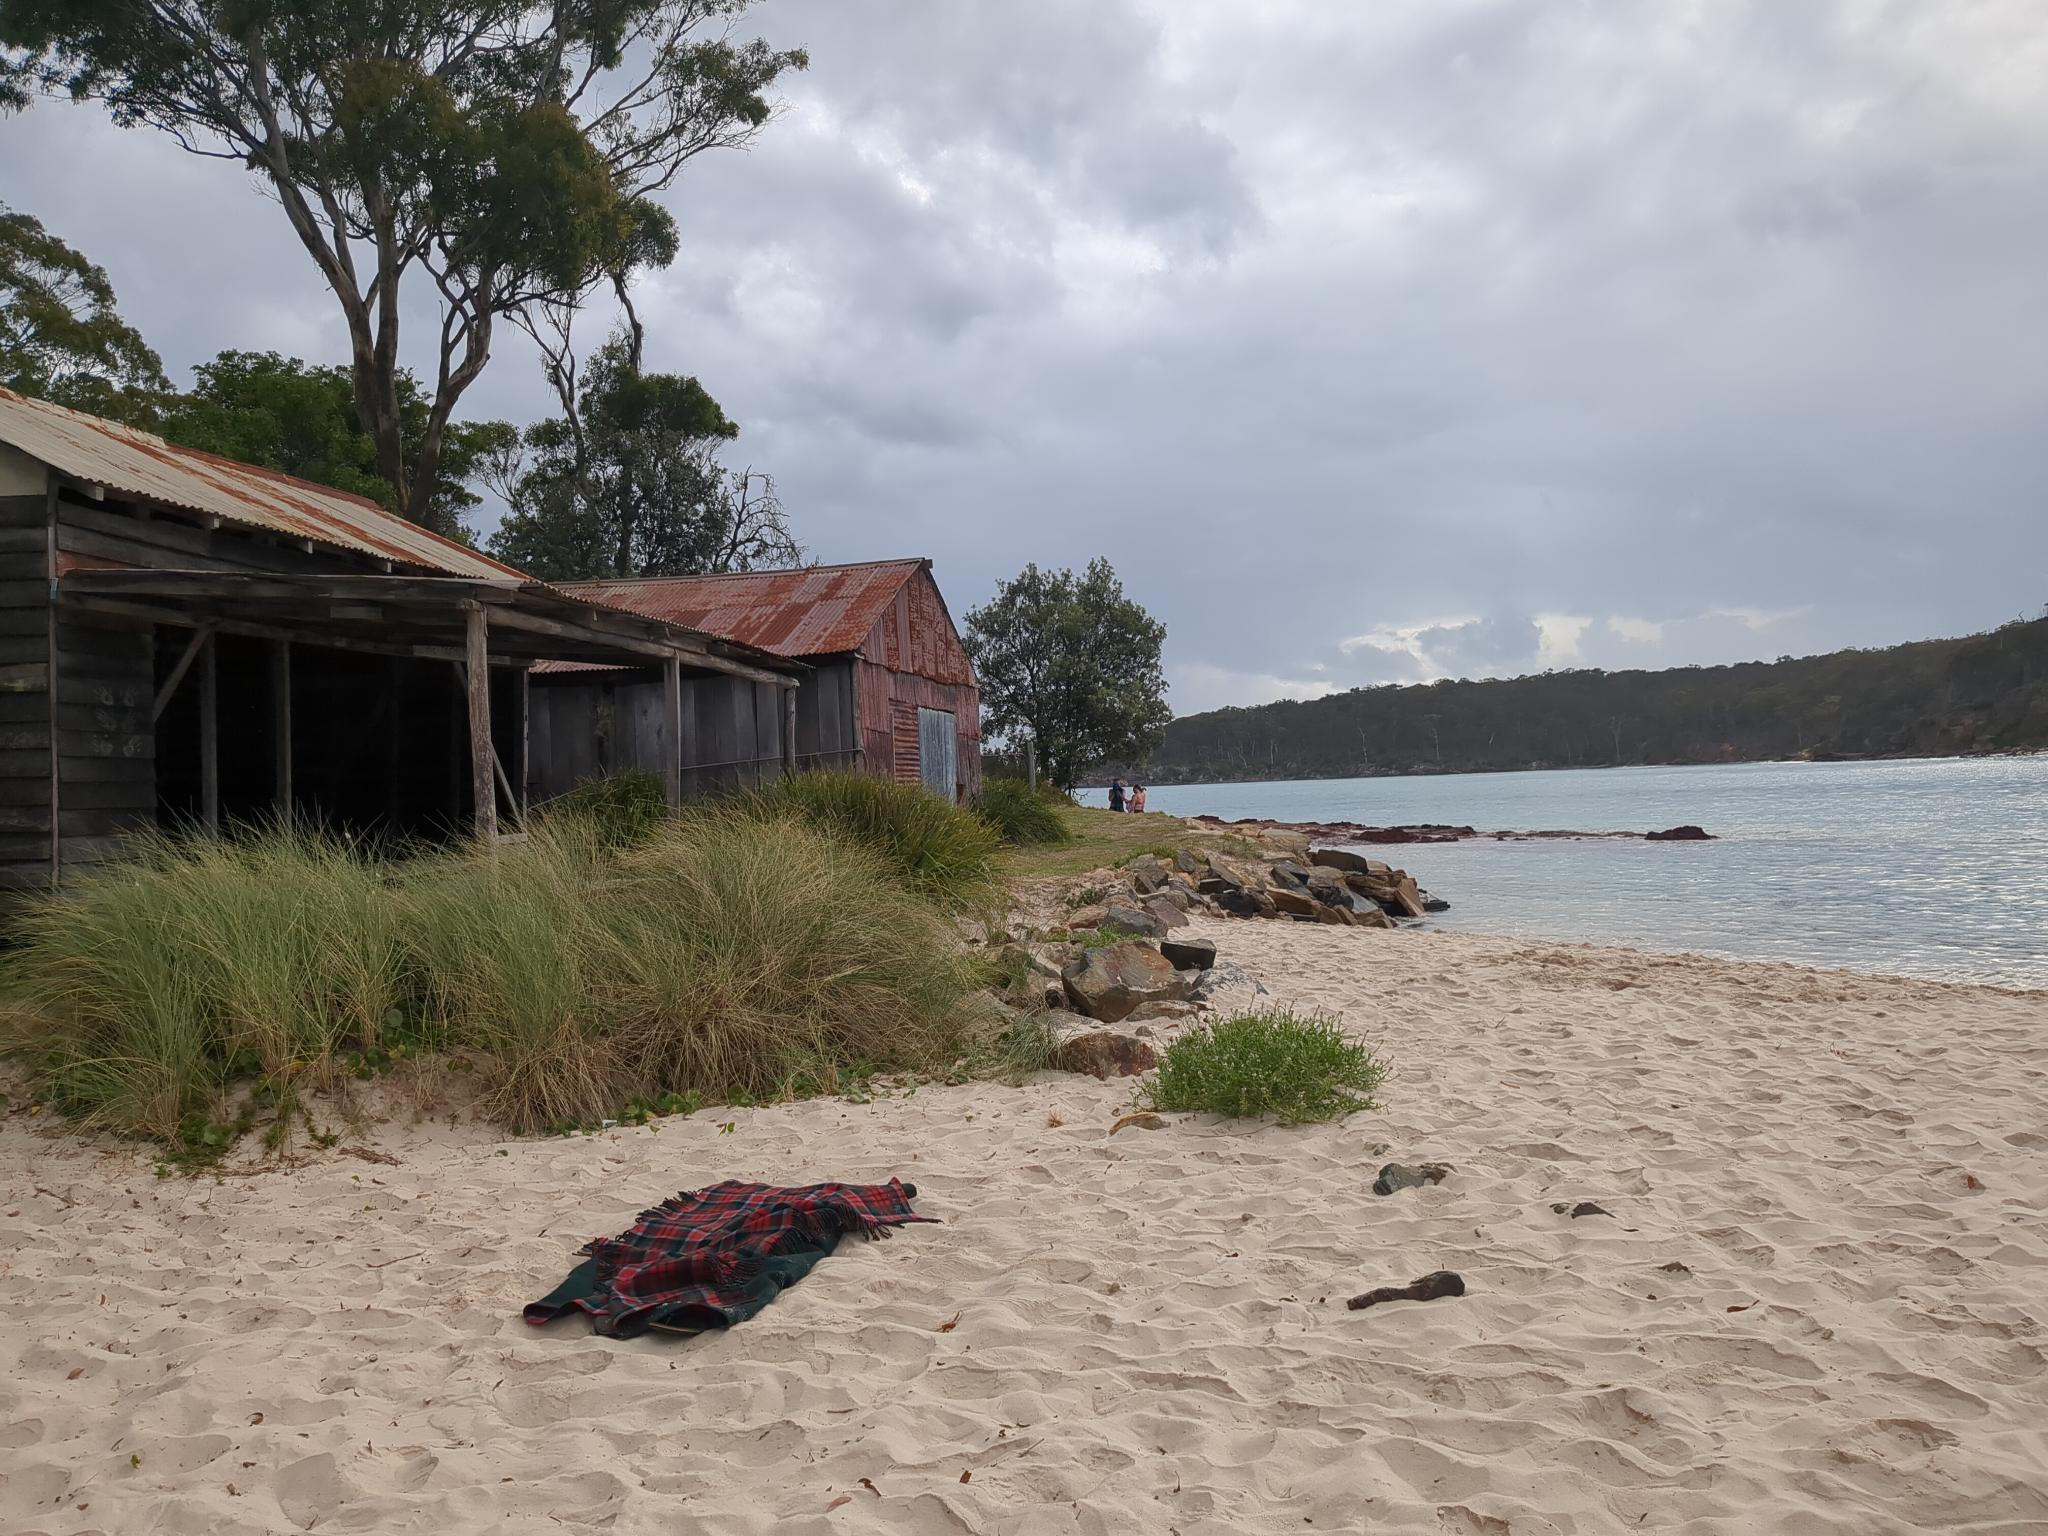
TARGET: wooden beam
(483,787)
(504,783)
(185,618)
(789,763)
(281,723)
(672,730)
(209,735)
(179,668)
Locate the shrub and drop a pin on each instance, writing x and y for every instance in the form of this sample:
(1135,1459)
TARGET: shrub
(944,851)
(1280,1064)
(623,808)
(1020,814)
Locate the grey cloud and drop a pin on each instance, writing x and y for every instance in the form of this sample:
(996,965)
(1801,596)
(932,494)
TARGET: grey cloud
(1326,322)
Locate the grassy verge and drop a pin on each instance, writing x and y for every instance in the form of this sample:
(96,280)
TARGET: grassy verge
(1097,838)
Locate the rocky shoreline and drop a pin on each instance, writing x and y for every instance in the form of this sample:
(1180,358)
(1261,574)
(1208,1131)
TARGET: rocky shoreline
(1357,833)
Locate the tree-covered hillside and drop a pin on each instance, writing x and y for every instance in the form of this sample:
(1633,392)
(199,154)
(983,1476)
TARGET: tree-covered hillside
(1982,693)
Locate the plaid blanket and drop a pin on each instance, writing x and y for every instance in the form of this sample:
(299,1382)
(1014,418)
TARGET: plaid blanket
(715,1257)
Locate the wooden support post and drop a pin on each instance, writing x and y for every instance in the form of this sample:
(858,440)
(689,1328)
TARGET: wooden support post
(281,724)
(789,764)
(209,735)
(482,780)
(1031,761)
(522,749)
(672,730)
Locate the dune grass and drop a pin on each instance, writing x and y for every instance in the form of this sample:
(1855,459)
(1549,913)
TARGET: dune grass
(943,850)
(1097,838)
(197,989)
(1021,815)
(1296,1069)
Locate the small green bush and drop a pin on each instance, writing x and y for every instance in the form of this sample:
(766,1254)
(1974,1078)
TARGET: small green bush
(1280,1064)
(623,808)
(943,850)
(1020,815)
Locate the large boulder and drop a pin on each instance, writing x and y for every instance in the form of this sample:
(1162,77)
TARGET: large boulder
(1245,903)
(1685,834)
(1233,877)
(1189,954)
(1290,875)
(1292,903)
(1407,898)
(1335,917)
(1166,912)
(1345,860)
(1107,984)
(1148,875)
(1104,1053)
(1139,922)
(1087,917)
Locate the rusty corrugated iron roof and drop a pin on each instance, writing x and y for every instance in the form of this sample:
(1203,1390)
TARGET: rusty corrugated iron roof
(131,462)
(823,611)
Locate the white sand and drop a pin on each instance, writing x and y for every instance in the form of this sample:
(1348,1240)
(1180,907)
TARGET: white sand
(1151,1332)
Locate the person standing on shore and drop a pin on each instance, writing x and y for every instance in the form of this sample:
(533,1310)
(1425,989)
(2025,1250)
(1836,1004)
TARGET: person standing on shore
(1116,794)
(1138,799)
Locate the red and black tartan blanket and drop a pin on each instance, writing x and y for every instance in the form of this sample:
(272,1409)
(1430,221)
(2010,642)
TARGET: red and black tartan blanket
(715,1257)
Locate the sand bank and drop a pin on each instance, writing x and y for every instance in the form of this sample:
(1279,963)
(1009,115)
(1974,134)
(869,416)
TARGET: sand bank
(1820,1303)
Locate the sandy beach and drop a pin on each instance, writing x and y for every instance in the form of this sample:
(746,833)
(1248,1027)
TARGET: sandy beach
(1819,1302)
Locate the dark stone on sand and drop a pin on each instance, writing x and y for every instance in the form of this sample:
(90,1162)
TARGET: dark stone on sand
(1189,954)
(1105,1053)
(1684,834)
(1409,1176)
(1583,1208)
(1437,1283)
(1135,921)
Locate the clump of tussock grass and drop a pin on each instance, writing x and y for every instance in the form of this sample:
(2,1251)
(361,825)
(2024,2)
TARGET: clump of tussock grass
(622,808)
(945,851)
(1293,1068)
(142,991)
(1021,816)
(728,955)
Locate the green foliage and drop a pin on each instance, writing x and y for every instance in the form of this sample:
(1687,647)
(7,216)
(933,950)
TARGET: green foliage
(1072,662)
(943,850)
(196,991)
(628,483)
(1280,1064)
(60,338)
(1022,817)
(278,412)
(502,158)
(1929,698)
(622,808)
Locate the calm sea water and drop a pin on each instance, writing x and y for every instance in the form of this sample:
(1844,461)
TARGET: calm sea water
(1935,868)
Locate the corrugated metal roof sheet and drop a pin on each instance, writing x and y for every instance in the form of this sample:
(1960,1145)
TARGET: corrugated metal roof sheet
(823,611)
(131,462)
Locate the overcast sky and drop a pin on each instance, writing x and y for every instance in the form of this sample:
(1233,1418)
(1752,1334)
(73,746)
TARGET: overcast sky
(1369,342)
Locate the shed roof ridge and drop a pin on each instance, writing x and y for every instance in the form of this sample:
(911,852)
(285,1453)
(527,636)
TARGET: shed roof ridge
(908,561)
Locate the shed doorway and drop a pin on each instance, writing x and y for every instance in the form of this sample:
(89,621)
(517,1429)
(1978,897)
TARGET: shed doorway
(937,752)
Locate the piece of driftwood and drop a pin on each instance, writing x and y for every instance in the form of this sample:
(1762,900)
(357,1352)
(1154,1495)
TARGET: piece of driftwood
(1437,1283)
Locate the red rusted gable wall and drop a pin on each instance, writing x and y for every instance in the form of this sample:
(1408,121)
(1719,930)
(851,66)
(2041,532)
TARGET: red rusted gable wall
(938,676)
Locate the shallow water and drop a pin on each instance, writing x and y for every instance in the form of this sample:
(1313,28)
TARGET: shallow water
(1935,868)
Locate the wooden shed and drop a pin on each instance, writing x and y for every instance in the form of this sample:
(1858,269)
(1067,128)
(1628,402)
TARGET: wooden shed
(887,686)
(188,639)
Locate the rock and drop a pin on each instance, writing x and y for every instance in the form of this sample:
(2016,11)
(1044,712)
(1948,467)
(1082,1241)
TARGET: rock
(1343,859)
(1335,917)
(1437,1283)
(1583,1208)
(1407,898)
(1149,1012)
(1684,834)
(1289,874)
(1232,877)
(1106,984)
(1675,1267)
(1397,1176)
(1245,903)
(1143,1120)
(1188,862)
(1139,922)
(1434,903)
(1148,875)
(1165,913)
(1086,917)
(1189,954)
(1105,1053)
(1292,903)
(1179,897)
(1226,980)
